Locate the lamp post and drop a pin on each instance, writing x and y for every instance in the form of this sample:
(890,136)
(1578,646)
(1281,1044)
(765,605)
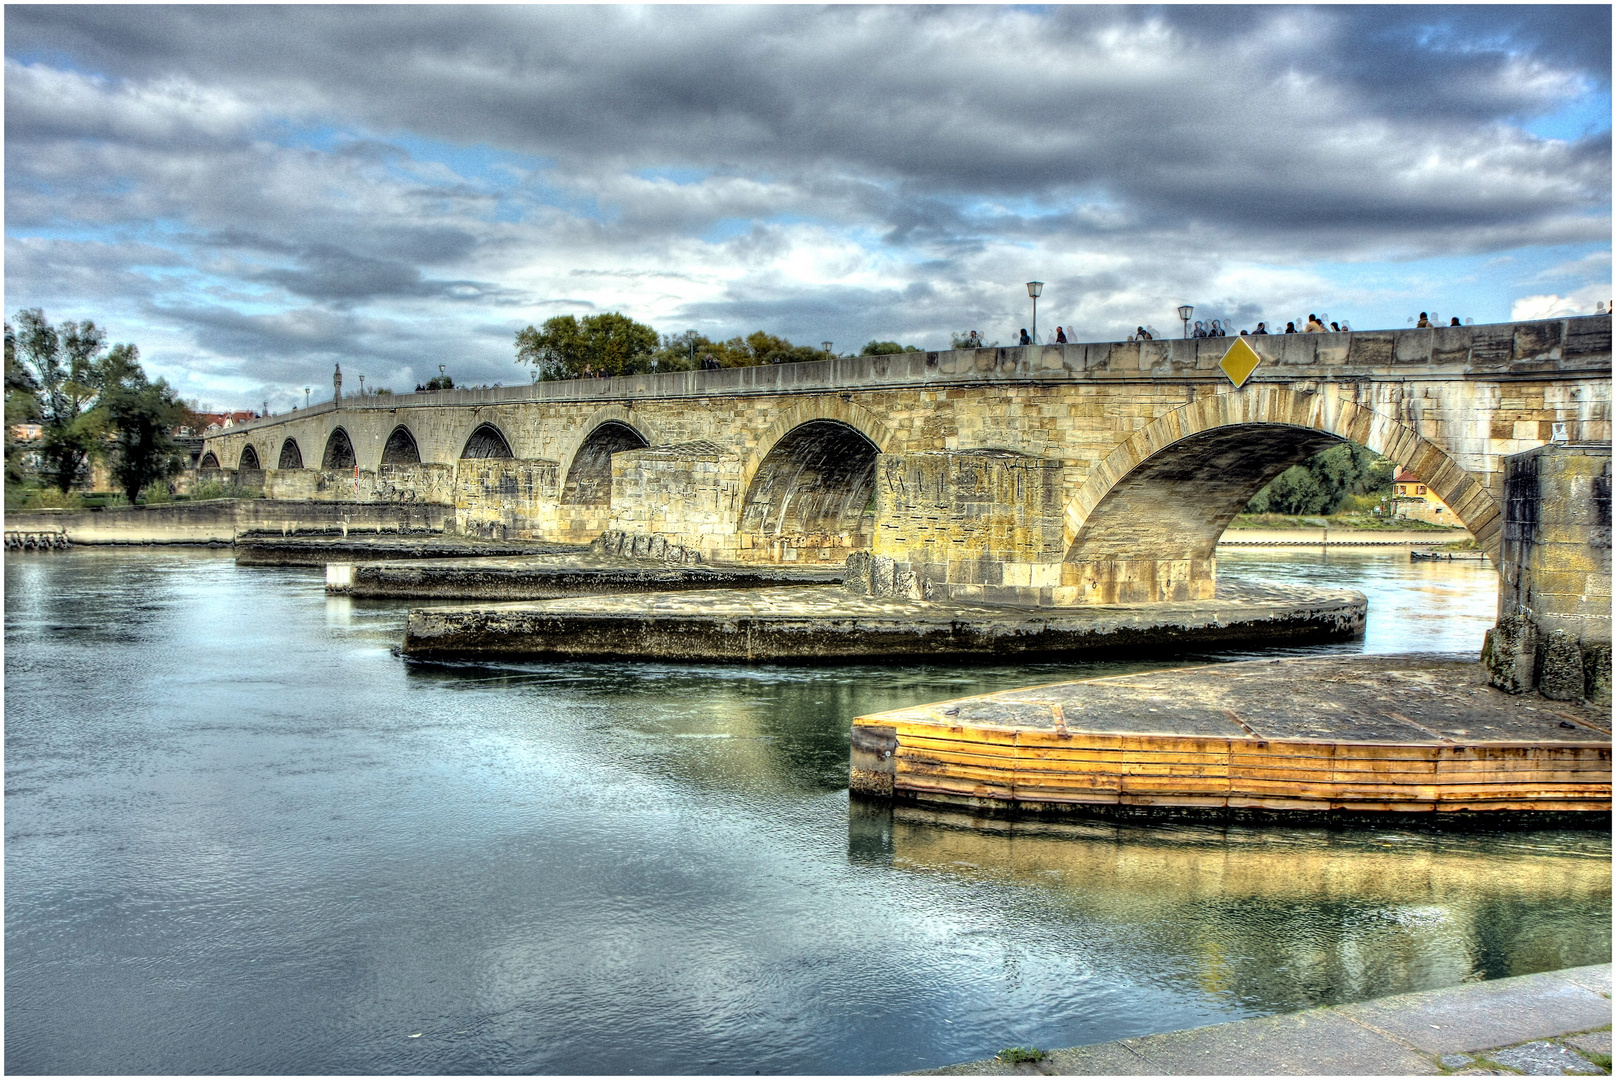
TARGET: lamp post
(306,390)
(690,339)
(827,345)
(361,384)
(1035,289)
(1184,312)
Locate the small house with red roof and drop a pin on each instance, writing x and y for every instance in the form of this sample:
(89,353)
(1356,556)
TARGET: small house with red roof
(1412,498)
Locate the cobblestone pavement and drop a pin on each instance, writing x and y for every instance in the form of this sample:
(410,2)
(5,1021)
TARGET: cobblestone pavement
(1551,1024)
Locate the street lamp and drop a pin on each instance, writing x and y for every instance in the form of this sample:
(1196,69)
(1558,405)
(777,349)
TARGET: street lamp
(306,390)
(361,384)
(1035,289)
(827,345)
(1184,312)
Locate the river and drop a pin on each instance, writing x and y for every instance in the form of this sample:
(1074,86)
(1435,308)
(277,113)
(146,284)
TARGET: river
(243,837)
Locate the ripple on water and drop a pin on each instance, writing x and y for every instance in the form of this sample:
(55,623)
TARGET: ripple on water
(242,836)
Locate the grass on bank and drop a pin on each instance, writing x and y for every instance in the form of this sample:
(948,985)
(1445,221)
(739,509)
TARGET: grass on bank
(1349,520)
(28,497)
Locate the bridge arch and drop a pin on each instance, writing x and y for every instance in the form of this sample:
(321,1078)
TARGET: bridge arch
(855,416)
(1166,495)
(589,472)
(339,451)
(249,458)
(401,448)
(210,460)
(487,441)
(813,491)
(291,455)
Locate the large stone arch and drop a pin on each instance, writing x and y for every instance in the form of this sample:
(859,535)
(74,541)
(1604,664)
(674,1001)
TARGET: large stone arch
(486,441)
(210,460)
(291,455)
(401,447)
(1146,522)
(249,458)
(588,478)
(339,451)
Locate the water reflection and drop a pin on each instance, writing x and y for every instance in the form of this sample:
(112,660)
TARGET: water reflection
(1281,919)
(1413,606)
(243,836)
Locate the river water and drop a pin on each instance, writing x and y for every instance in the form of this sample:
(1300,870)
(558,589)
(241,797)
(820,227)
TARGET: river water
(243,837)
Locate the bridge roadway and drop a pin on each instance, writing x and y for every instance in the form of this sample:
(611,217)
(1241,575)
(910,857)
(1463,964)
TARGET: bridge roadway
(1055,475)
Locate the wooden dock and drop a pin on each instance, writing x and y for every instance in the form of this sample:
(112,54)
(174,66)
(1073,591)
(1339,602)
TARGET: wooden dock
(1263,738)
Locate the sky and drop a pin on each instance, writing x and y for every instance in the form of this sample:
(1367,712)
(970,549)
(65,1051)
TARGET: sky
(254,194)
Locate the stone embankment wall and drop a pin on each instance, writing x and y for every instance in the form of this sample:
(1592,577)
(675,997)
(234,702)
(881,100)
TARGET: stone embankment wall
(1554,600)
(220,521)
(1143,451)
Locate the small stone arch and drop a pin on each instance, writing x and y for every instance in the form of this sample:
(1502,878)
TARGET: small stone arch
(210,460)
(401,448)
(1166,494)
(487,441)
(291,455)
(589,477)
(815,485)
(339,451)
(249,458)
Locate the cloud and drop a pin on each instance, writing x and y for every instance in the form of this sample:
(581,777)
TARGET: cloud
(1552,306)
(284,185)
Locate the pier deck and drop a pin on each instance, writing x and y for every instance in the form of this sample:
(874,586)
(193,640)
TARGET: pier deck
(818,623)
(563,574)
(1249,739)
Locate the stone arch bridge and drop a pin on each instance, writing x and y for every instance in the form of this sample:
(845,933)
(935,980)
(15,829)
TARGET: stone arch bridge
(1059,474)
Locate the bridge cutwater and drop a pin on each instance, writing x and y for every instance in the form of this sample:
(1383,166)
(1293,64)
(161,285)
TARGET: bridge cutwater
(1050,475)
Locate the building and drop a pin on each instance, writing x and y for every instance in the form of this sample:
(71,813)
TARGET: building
(1411,498)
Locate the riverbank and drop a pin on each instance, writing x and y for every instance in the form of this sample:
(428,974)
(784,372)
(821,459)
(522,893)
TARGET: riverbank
(219,522)
(827,623)
(1332,537)
(1553,1023)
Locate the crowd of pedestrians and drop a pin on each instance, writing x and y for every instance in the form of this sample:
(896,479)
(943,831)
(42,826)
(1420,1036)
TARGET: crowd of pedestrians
(1216,328)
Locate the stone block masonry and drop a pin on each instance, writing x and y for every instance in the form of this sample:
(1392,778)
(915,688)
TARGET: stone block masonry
(1141,452)
(1554,599)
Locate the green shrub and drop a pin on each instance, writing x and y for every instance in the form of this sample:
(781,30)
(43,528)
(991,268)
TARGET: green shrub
(219,489)
(1016,1055)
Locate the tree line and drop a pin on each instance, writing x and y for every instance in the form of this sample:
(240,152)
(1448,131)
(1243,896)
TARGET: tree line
(569,347)
(91,401)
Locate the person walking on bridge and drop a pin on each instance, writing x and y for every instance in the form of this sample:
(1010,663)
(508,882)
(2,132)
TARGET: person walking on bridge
(1025,339)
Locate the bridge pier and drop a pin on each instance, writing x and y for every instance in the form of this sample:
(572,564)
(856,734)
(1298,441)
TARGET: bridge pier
(1553,631)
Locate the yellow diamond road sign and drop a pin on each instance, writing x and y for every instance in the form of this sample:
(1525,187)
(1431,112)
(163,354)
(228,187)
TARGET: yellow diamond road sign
(1239,362)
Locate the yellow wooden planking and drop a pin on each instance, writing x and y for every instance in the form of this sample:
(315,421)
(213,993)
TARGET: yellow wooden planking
(1168,769)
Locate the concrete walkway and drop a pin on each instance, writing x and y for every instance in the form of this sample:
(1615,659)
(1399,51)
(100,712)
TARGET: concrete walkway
(1549,1024)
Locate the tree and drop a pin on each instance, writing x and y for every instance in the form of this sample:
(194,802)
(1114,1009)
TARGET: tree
(884,348)
(61,365)
(143,416)
(442,382)
(22,406)
(1322,483)
(567,347)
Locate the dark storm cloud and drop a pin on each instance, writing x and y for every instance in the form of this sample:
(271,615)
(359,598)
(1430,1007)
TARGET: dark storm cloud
(293,156)
(958,100)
